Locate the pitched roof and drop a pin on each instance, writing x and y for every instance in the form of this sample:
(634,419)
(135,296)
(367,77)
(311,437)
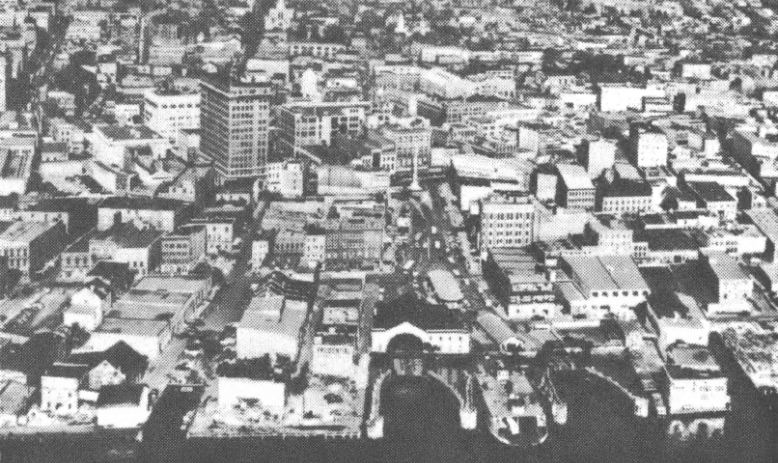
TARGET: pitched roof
(120,355)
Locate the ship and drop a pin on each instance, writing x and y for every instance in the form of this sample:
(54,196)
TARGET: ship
(552,401)
(514,410)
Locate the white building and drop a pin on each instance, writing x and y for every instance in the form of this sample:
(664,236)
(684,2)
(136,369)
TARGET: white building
(169,112)
(123,406)
(86,309)
(110,142)
(621,97)
(333,355)
(732,285)
(695,383)
(445,341)
(285,178)
(314,249)
(438,82)
(272,324)
(648,146)
(68,132)
(60,387)
(507,220)
(598,155)
(279,17)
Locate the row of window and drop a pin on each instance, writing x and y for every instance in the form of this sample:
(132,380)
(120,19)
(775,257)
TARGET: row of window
(635,293)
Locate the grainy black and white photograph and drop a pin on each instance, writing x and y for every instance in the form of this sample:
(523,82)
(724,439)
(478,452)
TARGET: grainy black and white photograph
(388,231)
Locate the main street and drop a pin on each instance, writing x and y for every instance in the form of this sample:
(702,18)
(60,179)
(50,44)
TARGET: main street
(227,308)
(436,248)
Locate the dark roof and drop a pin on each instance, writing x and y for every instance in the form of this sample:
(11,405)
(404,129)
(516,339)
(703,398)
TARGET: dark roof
(710,191)
(125,202)
(111,271)
(667,239)
(407,308)
(663,298)
(8,202)
(120,355)
(67,370)
(127,235)
(627,188)
(120,394)
(279,284)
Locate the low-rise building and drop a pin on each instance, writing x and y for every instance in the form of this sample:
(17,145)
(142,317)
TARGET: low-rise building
(60,386)
(270,395)
(732,286)
(110,142)
(333,355)
(30,246)
(695,382)
(162,214)
(182,251)
(286,178)
(220,231)
(16,162)
(715,198)
(275,319)
(124,242)
(626,197)
(123,406)
(147,337)
(168,112)
(414,325)
(172,298)
(603,285)
(575,189)
(87,308)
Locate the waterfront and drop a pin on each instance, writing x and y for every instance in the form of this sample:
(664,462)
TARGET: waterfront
(421,426)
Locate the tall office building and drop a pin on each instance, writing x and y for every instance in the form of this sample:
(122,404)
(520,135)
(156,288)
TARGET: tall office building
(234,116)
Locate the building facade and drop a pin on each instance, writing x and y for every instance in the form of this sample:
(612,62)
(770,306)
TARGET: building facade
(507,220)
(169,112)
(234,126)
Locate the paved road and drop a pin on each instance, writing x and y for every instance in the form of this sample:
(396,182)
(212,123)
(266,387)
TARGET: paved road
(426,213)
(370,295)
(226,309)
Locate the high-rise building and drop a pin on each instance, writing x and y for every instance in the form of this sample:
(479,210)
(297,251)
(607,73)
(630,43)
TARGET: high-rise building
(234,125)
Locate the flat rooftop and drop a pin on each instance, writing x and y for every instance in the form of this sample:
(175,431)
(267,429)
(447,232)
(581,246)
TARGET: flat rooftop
(124,133)
(132,326)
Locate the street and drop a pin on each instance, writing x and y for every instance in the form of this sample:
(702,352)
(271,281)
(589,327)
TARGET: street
(227,308)
(430,226)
